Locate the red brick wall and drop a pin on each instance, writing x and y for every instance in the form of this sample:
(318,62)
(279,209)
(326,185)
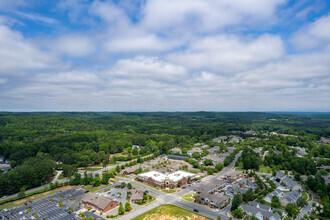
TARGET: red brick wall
(111,205)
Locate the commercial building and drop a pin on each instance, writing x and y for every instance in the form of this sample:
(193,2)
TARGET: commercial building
(100,203)
(158,179)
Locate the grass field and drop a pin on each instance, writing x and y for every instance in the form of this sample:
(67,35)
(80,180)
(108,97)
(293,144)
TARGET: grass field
(169,212)
(94,168)
(169,190)
(262,168)
(10,205)
(95,189)
(188,197)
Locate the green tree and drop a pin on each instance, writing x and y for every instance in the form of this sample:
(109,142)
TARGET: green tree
(121,209)
(275,202)
(239,212)
(236,201)
(129,185)
(117,168)
(291,209)
(123,185)
(219,166)
(127,206)
(135,151)
(208,162)
(21,193)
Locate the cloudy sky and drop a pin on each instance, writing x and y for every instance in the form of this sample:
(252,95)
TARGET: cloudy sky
(165,55)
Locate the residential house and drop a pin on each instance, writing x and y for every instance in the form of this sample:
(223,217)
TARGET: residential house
(195,150)
(291,184)
(214,150)
(135,146)
(279,176)
(216,158)
(269,196)
(290,197)
(261,214)
(301,151)
(258,150)
(204,146)
(251,132)
(216,140)
(176,150)
(100,203)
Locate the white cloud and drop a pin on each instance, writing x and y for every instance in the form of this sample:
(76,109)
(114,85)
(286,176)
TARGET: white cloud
(18,55)
(315,35)
(74,45)
(149,68)
(229,53)
(201,15)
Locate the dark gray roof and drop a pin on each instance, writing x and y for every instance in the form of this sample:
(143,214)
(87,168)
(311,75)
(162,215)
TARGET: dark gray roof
(292,196)
(254,210)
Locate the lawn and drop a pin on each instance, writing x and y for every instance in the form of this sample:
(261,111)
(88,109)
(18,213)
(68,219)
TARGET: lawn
(95,189)
(94,168)
(169,212)
(262,168)
(169,190)
(188,197)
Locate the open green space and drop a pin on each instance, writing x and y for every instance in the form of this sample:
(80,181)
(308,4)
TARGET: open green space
(262,168)
(169,212)
(169,190)
(188,197)
(95,189)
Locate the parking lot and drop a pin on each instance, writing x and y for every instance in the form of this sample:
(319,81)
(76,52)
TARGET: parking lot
(48,207)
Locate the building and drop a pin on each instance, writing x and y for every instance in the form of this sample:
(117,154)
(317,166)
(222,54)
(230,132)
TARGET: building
(204,146)
(176,157)
(214,200)
(195,150)
(135,146)
(291,184)
(269,196)
(290,197)
(216,158)
(176,151)
(260,213)
(216,140)
(100,203)
(157,179)
(136,195)
(279,176)
(214,150)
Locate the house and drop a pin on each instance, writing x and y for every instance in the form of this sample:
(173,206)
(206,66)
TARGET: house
(291,184)
(251,132)
(176,151)
(158,179)
(300,151)
(261,214)
(214,200)
(195,150)
(204,146)
(214,149)
(135,146)
(136,195)
(325,140)
(235,139)
(269,196)
(100,203)
(216,158)
(279,176)
(258,150)
(216,140)
(290,197)
(197,144)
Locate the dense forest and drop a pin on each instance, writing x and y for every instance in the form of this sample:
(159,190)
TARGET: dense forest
(83,139)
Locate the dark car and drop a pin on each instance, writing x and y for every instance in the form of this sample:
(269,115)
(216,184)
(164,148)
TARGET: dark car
(196,210)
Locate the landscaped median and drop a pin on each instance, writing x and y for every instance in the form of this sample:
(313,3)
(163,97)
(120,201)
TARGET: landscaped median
(169,211)
(189,197)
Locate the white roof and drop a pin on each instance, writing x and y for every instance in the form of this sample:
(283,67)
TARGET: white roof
(160,177)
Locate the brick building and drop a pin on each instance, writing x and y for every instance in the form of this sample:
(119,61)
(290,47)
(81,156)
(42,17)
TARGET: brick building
(100,203)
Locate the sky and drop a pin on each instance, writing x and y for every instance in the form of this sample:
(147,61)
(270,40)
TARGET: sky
(165,55)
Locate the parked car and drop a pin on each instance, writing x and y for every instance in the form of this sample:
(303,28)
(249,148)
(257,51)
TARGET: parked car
(196,210)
